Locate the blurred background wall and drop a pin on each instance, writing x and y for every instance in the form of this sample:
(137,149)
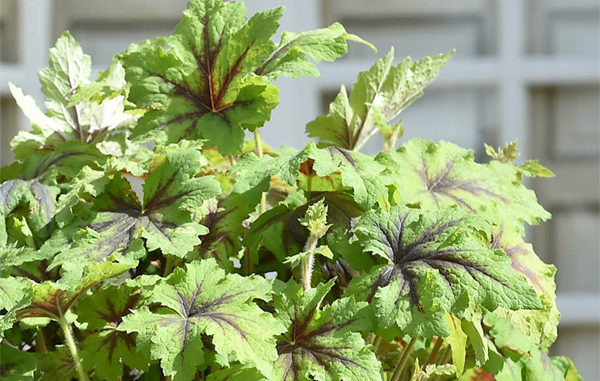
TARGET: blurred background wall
(526,69)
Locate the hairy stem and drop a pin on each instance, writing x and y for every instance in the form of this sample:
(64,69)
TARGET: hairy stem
(248,261)
(403,360)
(376,344)
(445,356)
(70,341)
(40,341)
(259,152)
(434,351)
(308,262)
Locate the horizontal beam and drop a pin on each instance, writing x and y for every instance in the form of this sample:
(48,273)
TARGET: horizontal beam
(482,72)
(579,309)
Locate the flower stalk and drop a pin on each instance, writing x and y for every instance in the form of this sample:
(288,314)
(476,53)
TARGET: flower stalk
(315,221)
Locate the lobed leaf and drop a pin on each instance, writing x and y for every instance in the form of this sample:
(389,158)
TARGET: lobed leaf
(321,342)
(203,300)
(378,96)
(435,262)
(440,175)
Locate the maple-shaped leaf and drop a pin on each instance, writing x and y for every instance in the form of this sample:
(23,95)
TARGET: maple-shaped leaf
(203,84)
(439,175)
(377,97)
(31,199)
(17,365)
(210,79)
(321,342)
(52,300)
(316,170)
(89,122)
(289,58)
(204,301)
(539,325)
(59,165)
(164,220)
(435,261)
(106,348)
(280,231)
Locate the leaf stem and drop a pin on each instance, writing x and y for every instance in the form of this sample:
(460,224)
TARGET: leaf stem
(435,350)
(40,341)
(169,265)
(376,344)
(308,261)
(70,341)
(445,356)
(403,360)
(248,261)
(259,152)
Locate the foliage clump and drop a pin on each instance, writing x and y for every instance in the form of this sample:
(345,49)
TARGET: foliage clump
(143,238)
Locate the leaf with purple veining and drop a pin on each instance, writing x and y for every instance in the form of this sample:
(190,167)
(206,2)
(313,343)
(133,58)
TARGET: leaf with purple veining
(122,226)
(434,262)
(106,348)
(200,82)
(440,175)
(322,342)
(539,325)
(201,301)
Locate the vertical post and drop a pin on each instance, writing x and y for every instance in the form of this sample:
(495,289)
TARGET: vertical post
(33,39)
(512,87)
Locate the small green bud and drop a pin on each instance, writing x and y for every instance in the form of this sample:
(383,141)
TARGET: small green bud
(315,219)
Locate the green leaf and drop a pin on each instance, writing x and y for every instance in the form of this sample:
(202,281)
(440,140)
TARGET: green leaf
(62,163)
(507,154)
(279,229)
(431,371)
(565,367)
(57,365)
(85,187)
(440,175)
(479,342)
(87,121)
(295,260)
(505,334)
(377,97)
(321,342)
(539,325)
(16,365)
(540,367)
(50,299)
(106,348)
(225,221)
(108,84)
(202,85)
(532,168)
(357,171)
(457,340)
(15,293)
(32,199)
(203,300)
(165,220)
(236,373)
(436,261)
(289,58)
